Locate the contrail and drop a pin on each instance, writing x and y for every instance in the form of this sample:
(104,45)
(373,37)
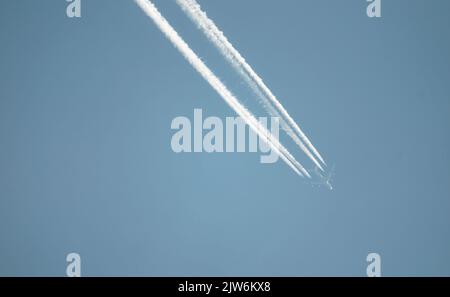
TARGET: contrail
(150,9)
(274,107)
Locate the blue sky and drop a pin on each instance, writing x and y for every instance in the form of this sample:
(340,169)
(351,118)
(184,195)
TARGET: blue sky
(86,164)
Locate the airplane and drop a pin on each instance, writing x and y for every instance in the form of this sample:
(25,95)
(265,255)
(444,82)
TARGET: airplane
(324,180)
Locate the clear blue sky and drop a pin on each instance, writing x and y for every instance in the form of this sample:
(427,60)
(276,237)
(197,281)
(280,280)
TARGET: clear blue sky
(86,164)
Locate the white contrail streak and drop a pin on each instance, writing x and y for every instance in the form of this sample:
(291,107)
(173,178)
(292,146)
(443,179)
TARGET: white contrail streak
(274,107)
(150,9)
